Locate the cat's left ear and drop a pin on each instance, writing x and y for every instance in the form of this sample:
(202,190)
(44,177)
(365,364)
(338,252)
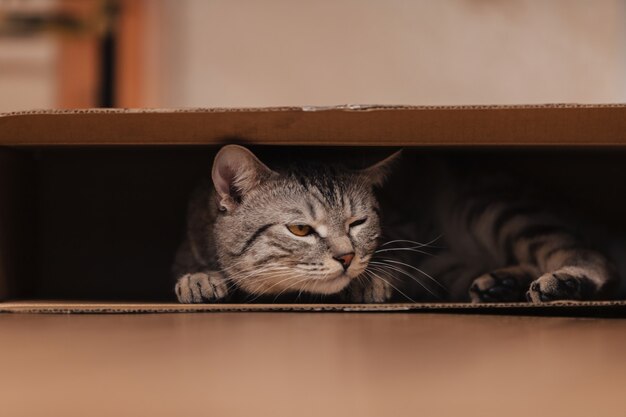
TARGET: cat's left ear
(236,171)
(377,174)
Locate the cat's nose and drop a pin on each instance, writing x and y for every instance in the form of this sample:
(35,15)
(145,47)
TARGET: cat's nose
(345,260)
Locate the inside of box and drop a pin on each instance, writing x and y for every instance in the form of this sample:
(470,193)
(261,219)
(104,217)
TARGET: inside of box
(103,223)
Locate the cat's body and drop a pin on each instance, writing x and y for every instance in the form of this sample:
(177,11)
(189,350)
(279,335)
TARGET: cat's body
(326,231)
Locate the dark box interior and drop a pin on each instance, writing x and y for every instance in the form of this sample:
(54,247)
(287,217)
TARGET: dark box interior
(103,223)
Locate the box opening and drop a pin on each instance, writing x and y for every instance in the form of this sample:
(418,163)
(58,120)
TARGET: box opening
(103,223)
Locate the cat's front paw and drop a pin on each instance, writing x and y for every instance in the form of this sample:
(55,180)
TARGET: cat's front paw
(495,287)
(370,291)
(201,287)
(503,285)
(555,286)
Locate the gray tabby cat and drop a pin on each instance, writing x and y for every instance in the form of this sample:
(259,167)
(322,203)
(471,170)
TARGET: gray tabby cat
(318,230)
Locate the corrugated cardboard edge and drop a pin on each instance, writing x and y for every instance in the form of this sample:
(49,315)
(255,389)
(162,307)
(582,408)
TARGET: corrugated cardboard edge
(559,308)
(341,107)
(349,125)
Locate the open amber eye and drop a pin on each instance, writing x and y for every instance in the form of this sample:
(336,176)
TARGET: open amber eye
(300,229)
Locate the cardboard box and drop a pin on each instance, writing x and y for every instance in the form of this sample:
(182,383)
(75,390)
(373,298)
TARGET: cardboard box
(69,181)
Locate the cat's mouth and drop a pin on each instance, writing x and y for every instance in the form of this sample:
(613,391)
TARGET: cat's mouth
(337,282)
(331,283)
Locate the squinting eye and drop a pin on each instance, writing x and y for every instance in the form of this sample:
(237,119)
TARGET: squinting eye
(358,222)
(300,229)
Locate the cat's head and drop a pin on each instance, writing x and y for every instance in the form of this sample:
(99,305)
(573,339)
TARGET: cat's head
(311,229)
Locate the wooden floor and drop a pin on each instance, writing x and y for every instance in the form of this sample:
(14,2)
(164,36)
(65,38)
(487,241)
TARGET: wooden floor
(308,364)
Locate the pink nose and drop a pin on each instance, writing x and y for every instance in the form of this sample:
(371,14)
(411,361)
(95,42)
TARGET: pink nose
(345,260)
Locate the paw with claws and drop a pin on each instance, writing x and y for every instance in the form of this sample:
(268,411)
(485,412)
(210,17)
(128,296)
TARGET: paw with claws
(201,287)
(503,285)
(555,286)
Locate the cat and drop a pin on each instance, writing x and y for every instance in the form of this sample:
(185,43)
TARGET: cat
(321,230)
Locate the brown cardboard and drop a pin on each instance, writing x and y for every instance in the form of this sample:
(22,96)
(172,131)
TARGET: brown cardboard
(513,126)
(557,308)
(349,125)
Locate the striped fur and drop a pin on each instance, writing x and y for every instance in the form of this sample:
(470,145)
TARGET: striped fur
(502,243)
(483,239)
(238,241)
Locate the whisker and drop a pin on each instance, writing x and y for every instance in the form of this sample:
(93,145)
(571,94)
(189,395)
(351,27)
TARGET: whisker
(404,249)
(393,286)
(258,283)
(274,285)
(302,290)
(246,274)
(402,271)
(272,275)
(296,282)
(418,244)
(418,270)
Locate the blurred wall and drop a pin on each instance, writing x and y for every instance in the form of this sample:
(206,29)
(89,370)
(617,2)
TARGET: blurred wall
(27,65)
(28,74)
(285,52)
(44,64)
(201,53)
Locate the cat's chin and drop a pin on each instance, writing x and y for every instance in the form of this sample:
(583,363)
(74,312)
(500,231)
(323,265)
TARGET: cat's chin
(329,285)
(325,286)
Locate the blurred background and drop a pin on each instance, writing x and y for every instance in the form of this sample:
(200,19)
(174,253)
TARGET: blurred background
(235,53)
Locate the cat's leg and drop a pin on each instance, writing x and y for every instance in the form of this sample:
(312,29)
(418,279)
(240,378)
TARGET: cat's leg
(368,289)
(195,269)
(511,230)
(573,274)
(503,285)
(201,287)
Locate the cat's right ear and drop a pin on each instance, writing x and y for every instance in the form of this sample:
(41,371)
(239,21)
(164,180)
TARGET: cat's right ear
(377,174)
(236,171)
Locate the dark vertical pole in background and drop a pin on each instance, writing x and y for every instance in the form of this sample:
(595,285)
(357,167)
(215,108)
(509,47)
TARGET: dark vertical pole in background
(108,48)
(107,71)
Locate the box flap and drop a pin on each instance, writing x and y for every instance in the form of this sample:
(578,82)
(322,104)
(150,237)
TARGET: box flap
(551,124)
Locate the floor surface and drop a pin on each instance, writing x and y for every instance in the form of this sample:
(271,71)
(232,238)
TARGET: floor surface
(308,364)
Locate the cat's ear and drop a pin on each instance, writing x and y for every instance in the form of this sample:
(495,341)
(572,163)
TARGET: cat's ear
(378,173)
(236,171)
